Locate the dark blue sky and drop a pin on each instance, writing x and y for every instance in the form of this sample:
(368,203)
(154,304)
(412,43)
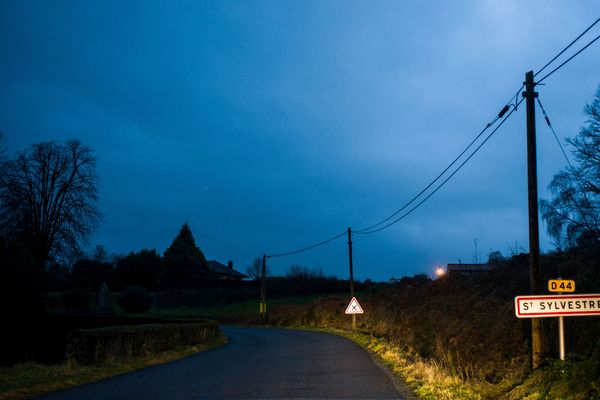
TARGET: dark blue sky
(272,125)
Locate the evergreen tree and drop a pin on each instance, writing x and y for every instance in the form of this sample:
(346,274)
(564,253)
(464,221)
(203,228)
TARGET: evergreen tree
(184,261)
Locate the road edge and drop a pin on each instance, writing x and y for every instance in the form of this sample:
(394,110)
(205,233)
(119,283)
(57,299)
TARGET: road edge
(401,387)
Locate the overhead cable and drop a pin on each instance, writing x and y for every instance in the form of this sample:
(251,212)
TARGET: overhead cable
(500,115)
(566,48)
(445,181)
(567,60)
(301,250)
(504,114)
(554,133)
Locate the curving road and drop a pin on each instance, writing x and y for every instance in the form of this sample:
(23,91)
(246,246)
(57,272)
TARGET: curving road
(258,363)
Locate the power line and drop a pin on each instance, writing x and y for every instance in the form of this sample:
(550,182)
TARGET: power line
(515,97)
(367,230)
(503,112)
(446,180)
(554,133)
(289,253)
(567,60)
(566,48)
(491,123)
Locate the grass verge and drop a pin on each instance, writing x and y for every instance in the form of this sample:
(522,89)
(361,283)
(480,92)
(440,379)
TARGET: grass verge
(30,379)
(566,380)
(427,380)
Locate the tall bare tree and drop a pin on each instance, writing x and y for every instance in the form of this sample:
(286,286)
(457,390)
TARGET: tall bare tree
(254,270)
(573,214)
(48,198)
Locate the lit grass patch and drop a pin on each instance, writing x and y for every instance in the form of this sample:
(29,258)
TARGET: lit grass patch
(430,380)
(427,379)
(30,379)
(568,380)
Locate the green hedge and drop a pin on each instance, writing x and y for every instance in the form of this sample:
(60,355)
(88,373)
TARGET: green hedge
(89,346)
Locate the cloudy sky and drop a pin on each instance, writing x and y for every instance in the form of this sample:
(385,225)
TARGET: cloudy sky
(273,125)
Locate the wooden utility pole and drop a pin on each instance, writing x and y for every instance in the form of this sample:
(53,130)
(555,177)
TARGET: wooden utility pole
(263,288)
(534,240)
(351,273)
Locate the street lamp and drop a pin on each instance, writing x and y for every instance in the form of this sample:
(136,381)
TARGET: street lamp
(440,271)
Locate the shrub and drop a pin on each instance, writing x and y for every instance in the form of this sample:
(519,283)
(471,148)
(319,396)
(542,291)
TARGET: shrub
(88,346)
(135,299)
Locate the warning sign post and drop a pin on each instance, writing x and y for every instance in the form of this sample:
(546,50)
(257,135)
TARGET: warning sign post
(354,307)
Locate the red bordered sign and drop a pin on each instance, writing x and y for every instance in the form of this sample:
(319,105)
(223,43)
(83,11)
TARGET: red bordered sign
(354,307)
(572,305)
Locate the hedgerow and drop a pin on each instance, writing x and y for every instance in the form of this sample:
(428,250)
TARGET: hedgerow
(89,346)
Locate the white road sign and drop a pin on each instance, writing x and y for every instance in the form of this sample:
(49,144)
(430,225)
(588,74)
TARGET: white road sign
(354,307)
(571,305)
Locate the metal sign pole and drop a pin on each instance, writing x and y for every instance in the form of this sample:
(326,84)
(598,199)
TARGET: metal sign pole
(561,337)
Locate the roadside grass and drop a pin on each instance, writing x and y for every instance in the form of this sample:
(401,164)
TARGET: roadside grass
(566,380)
(430,380)
(426,379)
(30,379)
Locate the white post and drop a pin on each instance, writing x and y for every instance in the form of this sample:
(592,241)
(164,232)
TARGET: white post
(561,337)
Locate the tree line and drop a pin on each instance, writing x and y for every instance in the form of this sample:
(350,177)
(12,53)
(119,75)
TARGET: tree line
(182,264)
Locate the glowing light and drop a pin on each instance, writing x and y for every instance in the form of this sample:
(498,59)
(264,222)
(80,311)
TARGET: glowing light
(440,271)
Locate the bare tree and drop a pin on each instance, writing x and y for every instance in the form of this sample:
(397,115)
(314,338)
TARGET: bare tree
(48,198)
(100,254)
(301,272)
(573,215)
(254,270)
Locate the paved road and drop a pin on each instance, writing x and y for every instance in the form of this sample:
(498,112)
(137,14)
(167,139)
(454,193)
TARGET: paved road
(258,363)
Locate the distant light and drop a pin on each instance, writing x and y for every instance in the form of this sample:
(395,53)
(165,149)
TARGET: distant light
(440,271)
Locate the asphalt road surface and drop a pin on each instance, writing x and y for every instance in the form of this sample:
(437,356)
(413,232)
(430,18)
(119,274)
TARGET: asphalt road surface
(258,363)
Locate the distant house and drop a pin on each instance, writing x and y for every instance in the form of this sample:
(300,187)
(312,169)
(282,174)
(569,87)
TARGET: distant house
(418,279)
(468,269)
(225,273)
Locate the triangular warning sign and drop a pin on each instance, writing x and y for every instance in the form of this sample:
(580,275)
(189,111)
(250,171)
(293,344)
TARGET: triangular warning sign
(354,307)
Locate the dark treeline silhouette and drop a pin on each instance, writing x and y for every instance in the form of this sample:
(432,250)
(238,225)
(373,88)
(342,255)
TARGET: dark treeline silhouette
(182,265)
(48,210)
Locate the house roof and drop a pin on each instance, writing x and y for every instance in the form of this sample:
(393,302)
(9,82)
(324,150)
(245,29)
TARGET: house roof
(470,267)
(221,269)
